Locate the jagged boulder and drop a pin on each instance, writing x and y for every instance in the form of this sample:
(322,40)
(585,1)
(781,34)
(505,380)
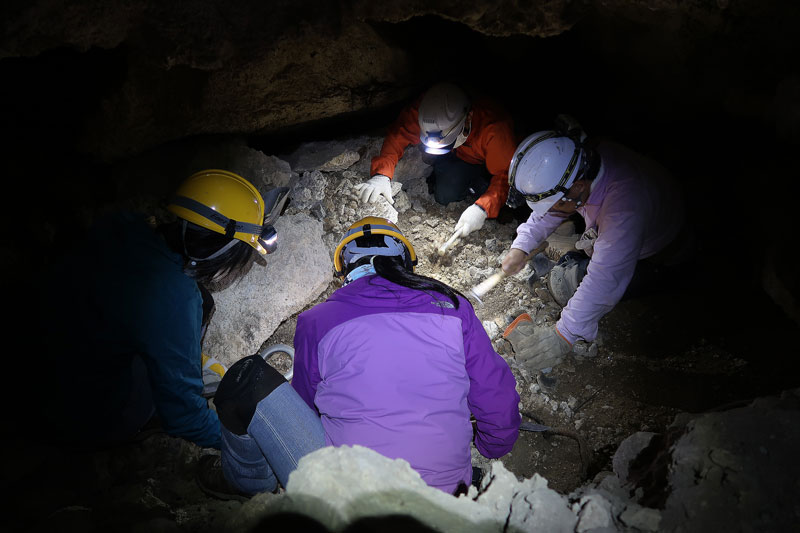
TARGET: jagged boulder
(251,309)
(718,471)
(340,486)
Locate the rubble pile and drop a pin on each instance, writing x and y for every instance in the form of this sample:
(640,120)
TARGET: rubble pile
(703,474)
(653,467)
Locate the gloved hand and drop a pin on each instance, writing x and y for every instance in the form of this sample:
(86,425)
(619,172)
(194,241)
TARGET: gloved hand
(213,370)
(377,185)
(471,220)
(536,347)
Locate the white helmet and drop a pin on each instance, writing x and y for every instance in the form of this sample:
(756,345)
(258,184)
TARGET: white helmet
(442,115)
(544,167)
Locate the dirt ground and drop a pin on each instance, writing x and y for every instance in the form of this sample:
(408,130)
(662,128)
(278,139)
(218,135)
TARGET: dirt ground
(711,340)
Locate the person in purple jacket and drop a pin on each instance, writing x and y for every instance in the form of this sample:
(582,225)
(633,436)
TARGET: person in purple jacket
(635,235)
(392,361)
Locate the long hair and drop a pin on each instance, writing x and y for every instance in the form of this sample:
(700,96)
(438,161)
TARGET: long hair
(195,243)
(397,270)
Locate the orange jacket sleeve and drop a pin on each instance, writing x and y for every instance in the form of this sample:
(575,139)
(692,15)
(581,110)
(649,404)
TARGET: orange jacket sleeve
(401,134)
(496,143)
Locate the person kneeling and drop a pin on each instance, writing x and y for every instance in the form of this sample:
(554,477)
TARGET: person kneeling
(392,361)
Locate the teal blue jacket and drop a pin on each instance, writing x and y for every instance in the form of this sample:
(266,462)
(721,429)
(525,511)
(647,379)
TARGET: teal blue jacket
(119,296)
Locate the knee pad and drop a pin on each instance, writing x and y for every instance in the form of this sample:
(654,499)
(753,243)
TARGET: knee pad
(246,383)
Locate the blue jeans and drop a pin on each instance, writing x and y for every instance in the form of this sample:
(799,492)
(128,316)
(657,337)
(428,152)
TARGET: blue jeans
(283,429)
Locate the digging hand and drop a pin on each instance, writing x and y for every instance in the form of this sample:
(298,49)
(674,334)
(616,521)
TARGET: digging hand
(443,248)
(514,261)
(377,186)
(471,220)
(536,347)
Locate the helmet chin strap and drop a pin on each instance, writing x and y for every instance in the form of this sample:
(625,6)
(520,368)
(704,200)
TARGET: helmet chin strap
(464,135)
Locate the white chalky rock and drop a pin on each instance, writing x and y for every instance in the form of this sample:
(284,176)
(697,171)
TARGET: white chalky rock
(338,485)
(250,310)
(328,156)
(309,190)
(491,328)
(595,512)
(641,518)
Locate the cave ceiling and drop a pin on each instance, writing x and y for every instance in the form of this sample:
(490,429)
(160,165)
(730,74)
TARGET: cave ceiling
(138,73)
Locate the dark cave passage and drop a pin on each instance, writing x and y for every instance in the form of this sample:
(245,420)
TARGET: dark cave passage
(715,97)
(706,102)
(707,106)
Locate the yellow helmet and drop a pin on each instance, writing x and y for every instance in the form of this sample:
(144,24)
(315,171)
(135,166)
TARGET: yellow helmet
(226,203)
(348,251)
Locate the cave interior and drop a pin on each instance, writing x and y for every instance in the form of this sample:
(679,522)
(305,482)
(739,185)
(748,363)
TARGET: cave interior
(718,104)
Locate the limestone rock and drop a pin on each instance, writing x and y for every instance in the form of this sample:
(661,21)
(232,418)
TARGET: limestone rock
(411,171)
(726,469)
(356,482)
(181,69)
(328,156)
(250,310)
(595,513)
(337,486)
(492,329)
(641,518)
(308,192)
(628,450)
(345,207)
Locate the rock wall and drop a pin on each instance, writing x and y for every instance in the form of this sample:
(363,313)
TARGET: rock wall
(177,69)
(252,308)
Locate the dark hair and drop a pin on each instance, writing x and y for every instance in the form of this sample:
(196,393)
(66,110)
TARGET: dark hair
(397,270)
(195,242)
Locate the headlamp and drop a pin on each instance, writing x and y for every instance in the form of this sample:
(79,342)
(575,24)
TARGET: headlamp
(268,239)
(437,148)
(434,141)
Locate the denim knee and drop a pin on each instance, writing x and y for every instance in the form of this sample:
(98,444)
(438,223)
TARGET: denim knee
(246,383)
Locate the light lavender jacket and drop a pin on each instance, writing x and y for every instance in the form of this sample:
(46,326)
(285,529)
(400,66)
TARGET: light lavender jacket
(637,209)
(399,371)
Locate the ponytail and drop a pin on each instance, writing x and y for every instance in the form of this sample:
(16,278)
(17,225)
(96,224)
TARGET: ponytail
(393,269)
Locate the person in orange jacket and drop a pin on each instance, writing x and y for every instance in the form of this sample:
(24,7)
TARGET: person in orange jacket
(473,141)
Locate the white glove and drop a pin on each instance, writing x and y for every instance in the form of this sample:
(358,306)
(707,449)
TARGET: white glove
(377,185)
(471,220)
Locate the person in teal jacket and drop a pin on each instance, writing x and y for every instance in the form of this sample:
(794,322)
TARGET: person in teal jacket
(129,345)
